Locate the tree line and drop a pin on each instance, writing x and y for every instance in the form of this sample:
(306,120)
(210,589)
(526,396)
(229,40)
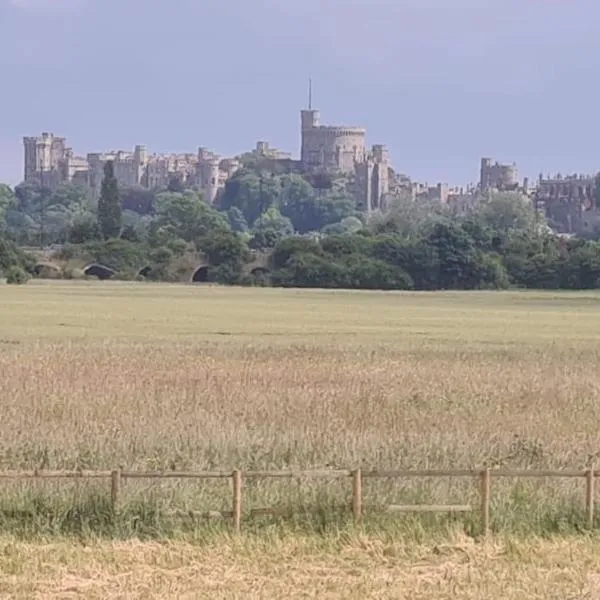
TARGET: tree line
(292,230)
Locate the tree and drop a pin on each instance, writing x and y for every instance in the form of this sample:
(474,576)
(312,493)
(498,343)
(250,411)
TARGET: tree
(456,256)
(117,254)
(335,205)
(109,205)
(43,215)
(71,196)
(347,225)
(372,274)
(130,234)
(288,247)
(28,196)
(137,199)
(7,200)
(84,228)
(226,252)
(269,228)
(186,216)
(222,247)
(16,275)
(252,193)
(508,211)
(408,217)
(346,245)
(176,184)
(236,219)
(298,202)
(311,270)
(12,256)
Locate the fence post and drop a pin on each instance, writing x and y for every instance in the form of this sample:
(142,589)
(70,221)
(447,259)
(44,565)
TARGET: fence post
(357,495)
(237,500)
(589,496)
(115,488)
(485,500)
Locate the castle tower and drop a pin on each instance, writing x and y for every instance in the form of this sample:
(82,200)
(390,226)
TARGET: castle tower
(484,175)
(364,184)
(140,162)
(44,154)
(211,180)
(309,120)
(31,165)
(203,154)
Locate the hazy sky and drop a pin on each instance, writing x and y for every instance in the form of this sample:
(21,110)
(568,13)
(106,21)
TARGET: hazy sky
(441,82)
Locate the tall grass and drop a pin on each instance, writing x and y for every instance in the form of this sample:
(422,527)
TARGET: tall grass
(97,376)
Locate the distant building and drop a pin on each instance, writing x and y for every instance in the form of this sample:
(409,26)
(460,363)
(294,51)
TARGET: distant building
(333,149)
(342,148)
(569,189)
(568,202)
(264,150)
(49,161)
(498,176)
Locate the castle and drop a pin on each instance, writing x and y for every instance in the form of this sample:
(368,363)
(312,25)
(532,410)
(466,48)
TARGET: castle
(341,149)
(569,202)
(498,176)
(49,161)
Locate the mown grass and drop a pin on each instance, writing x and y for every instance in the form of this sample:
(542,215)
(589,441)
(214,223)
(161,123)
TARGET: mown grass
(97,376)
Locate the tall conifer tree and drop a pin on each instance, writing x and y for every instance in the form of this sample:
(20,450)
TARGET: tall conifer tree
(109,205)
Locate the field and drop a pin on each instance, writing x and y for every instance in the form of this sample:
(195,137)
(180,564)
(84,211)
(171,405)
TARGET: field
(98,376)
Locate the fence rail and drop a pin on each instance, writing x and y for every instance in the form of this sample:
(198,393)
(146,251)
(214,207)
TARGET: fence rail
(118,476)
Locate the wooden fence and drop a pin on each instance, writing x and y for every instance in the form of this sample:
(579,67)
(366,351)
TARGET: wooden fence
(356,477)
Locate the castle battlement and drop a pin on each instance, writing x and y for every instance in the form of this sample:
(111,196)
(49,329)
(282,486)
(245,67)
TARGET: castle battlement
(336,148)
(340,131)
(47,159)
(343,148)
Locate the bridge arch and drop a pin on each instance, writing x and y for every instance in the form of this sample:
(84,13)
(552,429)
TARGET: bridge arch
(102,272)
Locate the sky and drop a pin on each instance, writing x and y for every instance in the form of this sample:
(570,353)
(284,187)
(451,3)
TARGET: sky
(441,82)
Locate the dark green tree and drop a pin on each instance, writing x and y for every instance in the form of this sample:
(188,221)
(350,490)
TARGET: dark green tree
(298,202)
(226,252)
(84,228)
(176,185)
(138,199)
(252,193)
(237,221)
(288,247)
(109,205)
(186,216)
(269,228)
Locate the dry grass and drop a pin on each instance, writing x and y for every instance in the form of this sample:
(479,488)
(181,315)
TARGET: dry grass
(353,568)
(177,377)
(180,377)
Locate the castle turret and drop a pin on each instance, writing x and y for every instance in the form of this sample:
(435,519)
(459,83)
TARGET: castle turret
(140,162)
(211,181)
(310,118)
(44,154)
(309,121)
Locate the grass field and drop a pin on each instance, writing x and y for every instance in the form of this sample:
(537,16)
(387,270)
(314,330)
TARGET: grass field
(180,377)
(355,568)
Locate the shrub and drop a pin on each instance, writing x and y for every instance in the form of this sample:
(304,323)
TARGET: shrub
(16,276)
(72,273)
